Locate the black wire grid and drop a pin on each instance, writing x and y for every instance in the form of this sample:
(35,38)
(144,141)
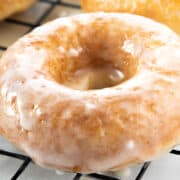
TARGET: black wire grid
(26,160)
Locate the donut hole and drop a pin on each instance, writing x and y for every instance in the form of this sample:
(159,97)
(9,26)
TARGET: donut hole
(95,78)
(95,57)
(99,73)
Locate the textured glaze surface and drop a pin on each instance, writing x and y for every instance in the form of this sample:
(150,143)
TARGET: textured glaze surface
(96,130)
(165,11)
(8,7)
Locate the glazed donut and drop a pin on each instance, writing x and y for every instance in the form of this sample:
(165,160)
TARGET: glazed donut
(164,11)
(10,7)
(92,92)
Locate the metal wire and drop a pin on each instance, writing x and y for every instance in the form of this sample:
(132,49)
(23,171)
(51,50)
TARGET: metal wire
(26,160)
(175,152)
(77,176)
(3,48)
(143,170)
(21,168)
(101,176)
(13,155)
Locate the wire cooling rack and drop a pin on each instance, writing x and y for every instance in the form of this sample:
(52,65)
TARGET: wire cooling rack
(26,161)
(18,25)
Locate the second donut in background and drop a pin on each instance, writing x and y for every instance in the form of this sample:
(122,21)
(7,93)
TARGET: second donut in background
(164,11)
(7,8)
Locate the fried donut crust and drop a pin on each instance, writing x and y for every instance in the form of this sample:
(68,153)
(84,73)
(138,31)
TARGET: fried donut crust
(92,130)
(10,7)
(164,11)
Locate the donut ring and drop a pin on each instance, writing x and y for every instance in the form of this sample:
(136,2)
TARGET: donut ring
(164,11)
(13,6)
(72,128)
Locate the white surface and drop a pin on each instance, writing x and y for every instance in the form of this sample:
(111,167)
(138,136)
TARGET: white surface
(165,168)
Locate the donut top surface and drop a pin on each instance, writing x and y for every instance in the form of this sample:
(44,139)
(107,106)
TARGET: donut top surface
(54,107)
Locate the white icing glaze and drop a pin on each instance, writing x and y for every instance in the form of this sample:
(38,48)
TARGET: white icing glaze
(61,173)
(130,145)
(128,47)
(10,111)
(37,110)
(129,106)
(50,27)
(74,52)
(117,76)
(62,49)
(66,114)
(24,60)
(66,22)
(111,162)
(124,174)
(11,96)
(4,90)
(25,121)
(84,20)
(89,107)
(164,60)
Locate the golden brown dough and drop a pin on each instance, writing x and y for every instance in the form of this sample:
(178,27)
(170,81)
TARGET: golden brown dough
(50,106)
(8,7)
(164,11)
